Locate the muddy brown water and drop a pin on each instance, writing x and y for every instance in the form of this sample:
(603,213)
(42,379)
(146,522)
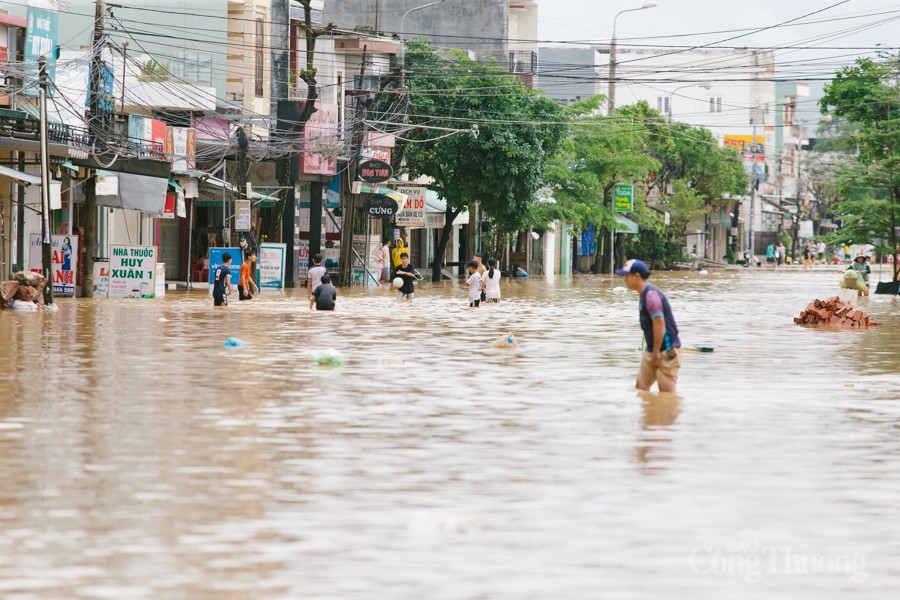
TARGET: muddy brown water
(139,458)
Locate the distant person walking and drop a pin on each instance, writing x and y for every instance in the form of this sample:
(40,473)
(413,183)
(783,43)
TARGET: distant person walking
(661,358)
(861,265)
(807,256)
(770,255)
(222,282)
(491,281)
(782,253)
(398,251)
(314,275)
(384,261)
(408,274)
(246,286)
(324,297)
(474,282)
(820,252)
(479,259)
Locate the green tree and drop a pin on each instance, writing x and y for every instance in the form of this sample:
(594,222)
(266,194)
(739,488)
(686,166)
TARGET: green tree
(503,165)
(868,96)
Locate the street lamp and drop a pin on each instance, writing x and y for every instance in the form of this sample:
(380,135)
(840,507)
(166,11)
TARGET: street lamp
(705,86)
(611,105)
(401,57)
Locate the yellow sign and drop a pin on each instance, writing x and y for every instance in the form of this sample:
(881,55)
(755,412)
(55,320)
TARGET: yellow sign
(743,142)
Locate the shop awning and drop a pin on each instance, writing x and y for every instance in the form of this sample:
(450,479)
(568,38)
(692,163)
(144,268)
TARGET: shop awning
(258,199)
(624,225)
(19,176)
(135,192)
(435,205)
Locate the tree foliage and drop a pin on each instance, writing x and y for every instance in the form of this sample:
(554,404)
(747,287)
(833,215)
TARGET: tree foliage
(867,95)
(518,130)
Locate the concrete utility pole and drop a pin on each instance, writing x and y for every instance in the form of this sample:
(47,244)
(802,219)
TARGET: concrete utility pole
(90,187)
(611,100)
(46,248)
(753,191)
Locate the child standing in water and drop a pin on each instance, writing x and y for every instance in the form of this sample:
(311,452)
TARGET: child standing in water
(491,281)
(222,282)
(474,283)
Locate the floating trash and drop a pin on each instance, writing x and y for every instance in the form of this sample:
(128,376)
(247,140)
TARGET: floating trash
(328,358)
(234,342)
(620,289)
(507,341)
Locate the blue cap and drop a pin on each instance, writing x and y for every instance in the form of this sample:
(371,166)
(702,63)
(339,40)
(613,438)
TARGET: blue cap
(634,266)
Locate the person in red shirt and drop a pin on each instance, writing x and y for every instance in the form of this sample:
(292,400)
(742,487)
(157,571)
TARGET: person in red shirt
(246,283)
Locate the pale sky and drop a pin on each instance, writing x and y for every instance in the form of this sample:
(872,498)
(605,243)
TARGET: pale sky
(850,29)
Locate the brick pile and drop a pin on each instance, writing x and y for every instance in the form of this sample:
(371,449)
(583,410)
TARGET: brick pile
(836,312)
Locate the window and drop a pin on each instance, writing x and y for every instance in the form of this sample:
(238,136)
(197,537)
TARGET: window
(188,66)
(260,59)
(662,105)
(715,105)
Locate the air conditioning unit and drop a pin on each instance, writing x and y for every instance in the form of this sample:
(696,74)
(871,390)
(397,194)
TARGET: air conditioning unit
(317,8)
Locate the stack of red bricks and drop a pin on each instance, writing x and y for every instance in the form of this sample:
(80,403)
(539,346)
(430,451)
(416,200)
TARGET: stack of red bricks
(834,311)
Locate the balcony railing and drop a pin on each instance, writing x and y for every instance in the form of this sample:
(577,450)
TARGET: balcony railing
(523,62)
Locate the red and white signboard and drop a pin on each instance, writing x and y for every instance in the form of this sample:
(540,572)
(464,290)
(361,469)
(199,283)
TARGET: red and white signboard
(412,214)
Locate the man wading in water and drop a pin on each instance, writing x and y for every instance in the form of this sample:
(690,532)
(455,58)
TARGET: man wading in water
(661,358)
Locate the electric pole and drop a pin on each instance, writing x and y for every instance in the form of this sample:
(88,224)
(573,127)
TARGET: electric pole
(46,248)
(89,240)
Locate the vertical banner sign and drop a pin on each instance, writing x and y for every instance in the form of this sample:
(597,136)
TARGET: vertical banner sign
(181,148)
(271,266)
(303,258)
(412,213)
(160,279)
(64,258)
(101,279)
(65,264)
(215,261)
(41,39)
(623,198)
(132,271)
(242,215)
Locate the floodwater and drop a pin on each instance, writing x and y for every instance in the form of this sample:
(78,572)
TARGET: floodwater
(141,459)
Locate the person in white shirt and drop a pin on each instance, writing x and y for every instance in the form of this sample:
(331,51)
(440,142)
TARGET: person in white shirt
(491,282)
(474,283)
(314,275)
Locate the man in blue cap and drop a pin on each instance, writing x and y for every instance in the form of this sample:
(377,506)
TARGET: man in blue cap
(662,349)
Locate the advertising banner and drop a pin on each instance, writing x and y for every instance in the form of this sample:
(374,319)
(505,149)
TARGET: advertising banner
(41,39)
(413,212)
(271,265)
(242,212)
(320,141)
(132,271)
(181,148)
(302,258)
(101,279)
(215,261)
(64,258)
(623,198)
(160,280)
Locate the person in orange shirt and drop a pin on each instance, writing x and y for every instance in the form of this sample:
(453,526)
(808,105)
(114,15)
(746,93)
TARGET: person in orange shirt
(245,283)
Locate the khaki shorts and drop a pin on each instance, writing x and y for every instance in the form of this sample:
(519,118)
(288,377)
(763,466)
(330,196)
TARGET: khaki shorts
(667,366)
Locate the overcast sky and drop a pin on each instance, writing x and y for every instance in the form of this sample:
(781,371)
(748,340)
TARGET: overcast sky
(851,25)
(592,19)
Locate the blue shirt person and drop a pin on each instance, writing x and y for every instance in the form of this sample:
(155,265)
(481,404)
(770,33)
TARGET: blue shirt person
(661,358)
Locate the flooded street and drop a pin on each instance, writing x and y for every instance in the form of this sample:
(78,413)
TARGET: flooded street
(141,459)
